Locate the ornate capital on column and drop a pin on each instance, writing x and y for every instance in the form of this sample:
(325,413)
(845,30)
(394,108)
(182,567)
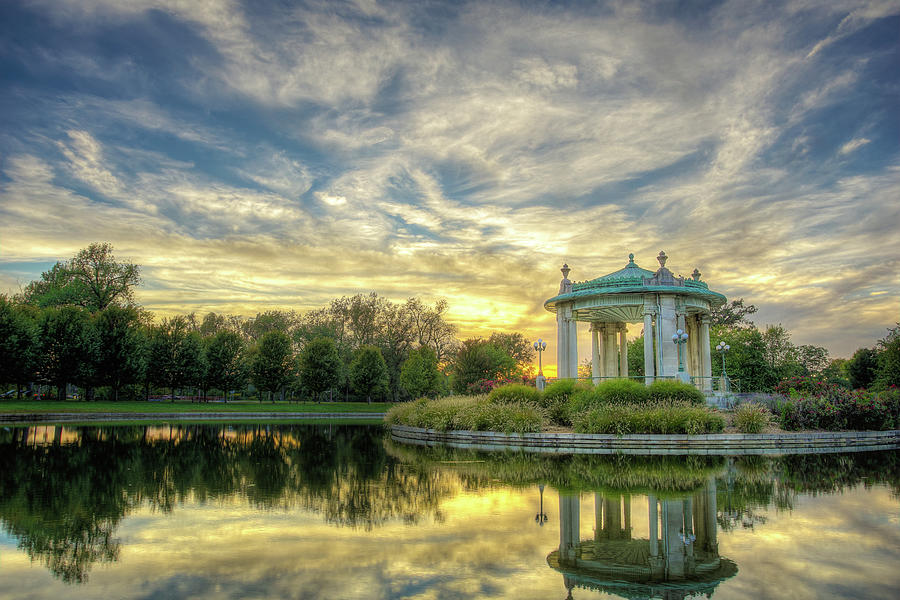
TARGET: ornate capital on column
(705,319)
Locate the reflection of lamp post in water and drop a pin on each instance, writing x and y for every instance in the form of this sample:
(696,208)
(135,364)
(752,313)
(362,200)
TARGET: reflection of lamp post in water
(541,517)
(722,348)
(540,346)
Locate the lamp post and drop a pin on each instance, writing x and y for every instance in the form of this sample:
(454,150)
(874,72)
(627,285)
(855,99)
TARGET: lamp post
(541,517)
(722,348)
(680,339)
(540,380)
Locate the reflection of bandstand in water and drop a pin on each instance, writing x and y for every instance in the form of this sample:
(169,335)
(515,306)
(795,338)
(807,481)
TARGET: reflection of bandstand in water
(679,560)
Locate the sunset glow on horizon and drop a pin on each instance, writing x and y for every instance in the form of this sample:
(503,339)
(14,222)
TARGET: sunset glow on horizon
(260,155)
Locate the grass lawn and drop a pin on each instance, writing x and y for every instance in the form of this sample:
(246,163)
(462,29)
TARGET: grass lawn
(75,406)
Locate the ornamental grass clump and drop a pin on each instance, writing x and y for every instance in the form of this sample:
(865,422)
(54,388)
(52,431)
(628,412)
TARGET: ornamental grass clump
(675,391)
(622,391)
(515,393)
(655,417)
(750,417)
(475,413)
(556,397)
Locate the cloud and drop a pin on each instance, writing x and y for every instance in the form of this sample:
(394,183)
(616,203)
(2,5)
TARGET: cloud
(466,151)
(853,144)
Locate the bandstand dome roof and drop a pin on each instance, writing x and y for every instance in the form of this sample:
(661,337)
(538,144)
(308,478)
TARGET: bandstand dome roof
(597,299)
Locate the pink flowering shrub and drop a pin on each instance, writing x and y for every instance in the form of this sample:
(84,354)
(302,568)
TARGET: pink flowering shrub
(824,406)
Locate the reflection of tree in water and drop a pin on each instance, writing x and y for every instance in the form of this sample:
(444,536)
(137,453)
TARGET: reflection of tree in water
(64,500)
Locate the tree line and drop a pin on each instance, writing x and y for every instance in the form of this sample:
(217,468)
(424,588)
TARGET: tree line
(79,325)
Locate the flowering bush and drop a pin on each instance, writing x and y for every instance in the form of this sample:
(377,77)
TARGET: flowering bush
(833,408)
(486,386)
(804,385)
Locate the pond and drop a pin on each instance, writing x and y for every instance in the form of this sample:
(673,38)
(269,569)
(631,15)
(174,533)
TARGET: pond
(319,511)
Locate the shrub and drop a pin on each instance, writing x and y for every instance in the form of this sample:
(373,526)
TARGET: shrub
(658,417)
(675,391)
(582,400)
(556,397)
(834,408)
(475,413)
(623,391)
(750,417)
(515,392)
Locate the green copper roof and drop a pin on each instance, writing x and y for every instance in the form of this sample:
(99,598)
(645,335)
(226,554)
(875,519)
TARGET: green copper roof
(633,279)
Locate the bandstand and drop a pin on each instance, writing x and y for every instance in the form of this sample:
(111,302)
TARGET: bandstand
(668,306)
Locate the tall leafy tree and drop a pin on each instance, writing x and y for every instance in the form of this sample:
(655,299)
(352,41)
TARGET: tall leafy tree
(420,376)
(18,344)
(863,368)
(122,347)
(92,279)
(746,360)
(226,364)
(176,355)
(517,347)
(733,314)
(319,366)
(68,347)
(369,373)
(889,360)
(478,360)
(272,362)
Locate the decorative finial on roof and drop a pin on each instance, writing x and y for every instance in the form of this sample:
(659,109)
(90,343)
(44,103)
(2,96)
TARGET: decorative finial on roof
(631,258)
(565,271)
(662,258)
(696,274)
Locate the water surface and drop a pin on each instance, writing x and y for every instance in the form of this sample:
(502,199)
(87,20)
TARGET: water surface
(209,511)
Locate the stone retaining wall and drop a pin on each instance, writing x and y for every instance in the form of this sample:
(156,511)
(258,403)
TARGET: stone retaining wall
(719,444)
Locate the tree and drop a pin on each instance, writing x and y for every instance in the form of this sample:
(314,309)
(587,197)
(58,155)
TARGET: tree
(837,372)
(271,320)
(419,375)
(320,366)
(862,369)
(18,345)
(733,314)
(431,328)
(636,357)
(92,279)
(781,354)
(369,373)
(68,347)
(479,360)
(272,362)
(517,347)
(813,359)
(226,365)
(175,356)
(746,360)
(889,360)
(122,346)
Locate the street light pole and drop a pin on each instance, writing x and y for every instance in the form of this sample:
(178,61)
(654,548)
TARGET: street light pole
(680,338)
(722,348)
(540,380)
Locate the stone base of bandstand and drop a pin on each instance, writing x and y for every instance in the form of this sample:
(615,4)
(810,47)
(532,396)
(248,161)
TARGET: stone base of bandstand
(723,444)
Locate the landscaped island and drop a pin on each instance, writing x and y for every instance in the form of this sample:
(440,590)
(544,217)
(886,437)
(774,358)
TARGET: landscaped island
(624,406)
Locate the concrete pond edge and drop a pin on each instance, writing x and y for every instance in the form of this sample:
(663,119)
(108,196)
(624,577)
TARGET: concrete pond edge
(710,444)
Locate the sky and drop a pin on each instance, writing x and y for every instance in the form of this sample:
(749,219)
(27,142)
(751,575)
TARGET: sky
(276,155)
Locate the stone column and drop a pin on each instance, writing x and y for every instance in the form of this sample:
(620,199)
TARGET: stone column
(648,347)
(666,321)
(705,362)
(612,357)
(595,352)
(623,350)
(562,342)
(573,348)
